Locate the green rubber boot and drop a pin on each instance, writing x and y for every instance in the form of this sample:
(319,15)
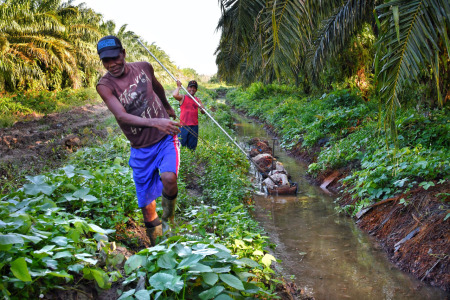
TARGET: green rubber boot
(168,216)
(153,233)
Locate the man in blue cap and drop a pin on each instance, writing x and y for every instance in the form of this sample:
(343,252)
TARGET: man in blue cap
(139,104)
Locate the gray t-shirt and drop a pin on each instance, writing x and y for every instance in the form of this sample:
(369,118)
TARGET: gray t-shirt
(136,92)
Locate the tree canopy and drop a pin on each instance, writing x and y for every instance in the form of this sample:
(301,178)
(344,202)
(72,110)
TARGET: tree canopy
(299,40)
(51,44)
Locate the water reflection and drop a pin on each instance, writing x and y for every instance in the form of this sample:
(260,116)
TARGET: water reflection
(329,256)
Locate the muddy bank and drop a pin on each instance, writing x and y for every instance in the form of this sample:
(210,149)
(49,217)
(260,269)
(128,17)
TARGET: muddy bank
(415,237)
(44,143)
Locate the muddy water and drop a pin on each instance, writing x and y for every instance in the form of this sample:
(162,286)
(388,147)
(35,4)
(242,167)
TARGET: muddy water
(325,253)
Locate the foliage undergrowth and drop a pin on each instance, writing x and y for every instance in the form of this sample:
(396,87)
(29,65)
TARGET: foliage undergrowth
(15,107)
(346,130)
(58,230)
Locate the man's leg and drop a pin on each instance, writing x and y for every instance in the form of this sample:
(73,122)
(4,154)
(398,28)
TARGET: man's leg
(168,167)
(144,162)
(152,222)
(192,137)
(169,198)
(183,136)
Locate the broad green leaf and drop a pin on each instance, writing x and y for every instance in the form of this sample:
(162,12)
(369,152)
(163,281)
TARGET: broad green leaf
(89,198)
(101,278)
(62,254)
(6,247)
(46,250)
(34,189)
(3,224)
(98,229)
(69,171)
(62,274)
(211,293)
(60,241)
(232,281)
(133,263)
(20,270)
(85,257)
(86,174)
(34,239)
(223,254)
(40,179)
(161,281)
(167,261)
(22,223)
(222,247)
(210,278)
(189,261)
(127,294)
(199,268)
(76,268)
(222,270)
(245,275)
(223,297)
(251,288)
(267,260)
(81,193)
(182,251)
(142,295)
(9,239)
(422,164)
(249,262)
(207,251)
(50,263)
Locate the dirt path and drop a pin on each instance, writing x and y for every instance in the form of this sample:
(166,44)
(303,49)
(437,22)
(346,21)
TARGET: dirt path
(43,143)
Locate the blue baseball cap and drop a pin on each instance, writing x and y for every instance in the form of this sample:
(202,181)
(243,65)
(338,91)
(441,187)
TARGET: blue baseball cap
(109,46)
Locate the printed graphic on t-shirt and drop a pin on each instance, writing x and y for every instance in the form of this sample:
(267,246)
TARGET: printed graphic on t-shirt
(135,102)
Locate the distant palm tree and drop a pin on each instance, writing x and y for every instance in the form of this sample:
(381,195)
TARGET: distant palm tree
(42,43)
(135,52)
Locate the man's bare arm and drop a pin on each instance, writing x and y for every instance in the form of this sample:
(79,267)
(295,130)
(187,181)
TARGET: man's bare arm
(176,93)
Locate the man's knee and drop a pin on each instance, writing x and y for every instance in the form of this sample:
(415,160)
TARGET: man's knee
(169,178)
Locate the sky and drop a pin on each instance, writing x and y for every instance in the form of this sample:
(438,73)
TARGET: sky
(184,29)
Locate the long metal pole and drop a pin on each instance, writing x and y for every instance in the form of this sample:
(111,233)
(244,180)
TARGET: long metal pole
(192,97)
(226,133)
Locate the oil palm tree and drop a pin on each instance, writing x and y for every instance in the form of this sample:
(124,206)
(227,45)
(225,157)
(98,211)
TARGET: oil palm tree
(43,44)
(414,38)
(278,39)
(135,52)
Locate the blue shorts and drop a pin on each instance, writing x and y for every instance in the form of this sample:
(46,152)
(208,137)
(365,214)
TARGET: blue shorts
(149,162)
(189,136)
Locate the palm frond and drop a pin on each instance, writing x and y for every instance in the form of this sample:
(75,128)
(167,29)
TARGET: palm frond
(410,42)
(285,36)
(336,31)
